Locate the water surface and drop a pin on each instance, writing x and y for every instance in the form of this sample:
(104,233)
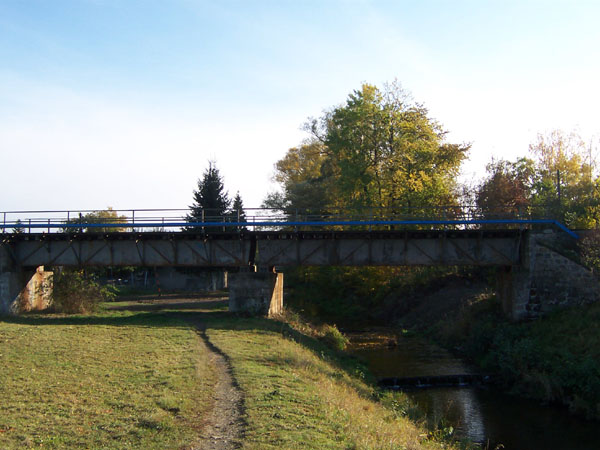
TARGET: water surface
(479,414)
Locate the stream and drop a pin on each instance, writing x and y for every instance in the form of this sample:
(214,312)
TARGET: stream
(480,414)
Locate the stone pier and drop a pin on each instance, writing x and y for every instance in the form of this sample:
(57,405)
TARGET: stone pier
(256,293)
(22,289)
(544,280)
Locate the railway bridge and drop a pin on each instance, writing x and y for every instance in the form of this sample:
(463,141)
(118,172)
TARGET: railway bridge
(253,247)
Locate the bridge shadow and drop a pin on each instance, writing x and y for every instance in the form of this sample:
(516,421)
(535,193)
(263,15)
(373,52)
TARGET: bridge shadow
(202,313)
(149,311)
(175,304)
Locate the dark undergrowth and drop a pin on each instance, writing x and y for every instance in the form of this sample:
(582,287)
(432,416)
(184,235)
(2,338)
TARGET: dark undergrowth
(555,359)
(363,296)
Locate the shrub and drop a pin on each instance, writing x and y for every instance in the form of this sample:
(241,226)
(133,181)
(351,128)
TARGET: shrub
(75,293)
(589,248)
(334,337)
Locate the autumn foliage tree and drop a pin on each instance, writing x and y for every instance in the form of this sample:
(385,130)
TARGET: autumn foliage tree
(567,185)
(558,182)
(379,149)
(305,178)
(507,189)
(102,222)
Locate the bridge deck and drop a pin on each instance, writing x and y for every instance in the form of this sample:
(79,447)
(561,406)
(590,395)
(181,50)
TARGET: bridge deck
(268,235)
(267,248)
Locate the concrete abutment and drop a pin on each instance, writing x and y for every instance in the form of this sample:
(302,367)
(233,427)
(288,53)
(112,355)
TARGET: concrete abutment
(544,281)
(256,293)
(22,289)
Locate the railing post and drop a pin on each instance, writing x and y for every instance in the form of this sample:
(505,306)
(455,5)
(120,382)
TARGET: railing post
(133,220)
(445,217)
(296,219)
(48,226)
(29,226)
(519,217)
(4,228)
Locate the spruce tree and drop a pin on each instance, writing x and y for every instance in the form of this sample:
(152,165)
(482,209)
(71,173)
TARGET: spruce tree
(19,228)
(211,201)
(237,213)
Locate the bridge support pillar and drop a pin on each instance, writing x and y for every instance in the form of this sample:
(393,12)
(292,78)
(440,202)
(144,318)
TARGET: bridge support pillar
(513,286)
(10,282)
(256,293)
(514,282)
(22,290)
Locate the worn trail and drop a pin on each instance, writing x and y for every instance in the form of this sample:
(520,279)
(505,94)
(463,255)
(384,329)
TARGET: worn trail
(224,425)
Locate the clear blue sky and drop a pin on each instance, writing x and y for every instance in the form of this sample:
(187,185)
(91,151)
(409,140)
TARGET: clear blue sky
(122,103)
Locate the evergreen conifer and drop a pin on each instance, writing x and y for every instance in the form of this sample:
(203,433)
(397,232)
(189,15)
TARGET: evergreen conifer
(237,213)
(211,201)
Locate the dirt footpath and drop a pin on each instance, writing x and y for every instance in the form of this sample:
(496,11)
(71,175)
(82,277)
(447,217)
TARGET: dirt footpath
(223,428)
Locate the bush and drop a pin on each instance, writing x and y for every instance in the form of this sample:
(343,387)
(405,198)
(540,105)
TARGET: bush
(554,359)
(589,248)
(358,296)
(75,293)
(334,337)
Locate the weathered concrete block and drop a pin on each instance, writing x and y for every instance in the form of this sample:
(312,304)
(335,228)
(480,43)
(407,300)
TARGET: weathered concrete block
(22,291)
(256,293)
(37,293)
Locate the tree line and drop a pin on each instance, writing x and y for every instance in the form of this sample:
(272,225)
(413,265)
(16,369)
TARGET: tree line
(381,152)
(381,149)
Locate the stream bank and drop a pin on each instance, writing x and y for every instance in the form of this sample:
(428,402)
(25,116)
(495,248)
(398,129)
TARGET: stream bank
(481,414)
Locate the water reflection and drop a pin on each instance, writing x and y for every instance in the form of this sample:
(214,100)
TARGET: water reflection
(482,415)
(458,407)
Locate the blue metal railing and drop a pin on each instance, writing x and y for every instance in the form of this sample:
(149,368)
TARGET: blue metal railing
(466,217)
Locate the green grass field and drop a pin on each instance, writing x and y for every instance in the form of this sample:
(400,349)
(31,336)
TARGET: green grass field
(105,381)
(142,378)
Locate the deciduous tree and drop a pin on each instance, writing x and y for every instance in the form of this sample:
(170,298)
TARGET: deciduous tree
(306,182)
(106,216)
(507,189)
(566,183)
(379,149)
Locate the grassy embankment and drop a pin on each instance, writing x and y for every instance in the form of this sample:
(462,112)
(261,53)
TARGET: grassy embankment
(139,379)
(554,359)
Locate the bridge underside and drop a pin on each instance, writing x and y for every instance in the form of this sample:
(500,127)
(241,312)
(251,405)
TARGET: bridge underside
(277,248)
